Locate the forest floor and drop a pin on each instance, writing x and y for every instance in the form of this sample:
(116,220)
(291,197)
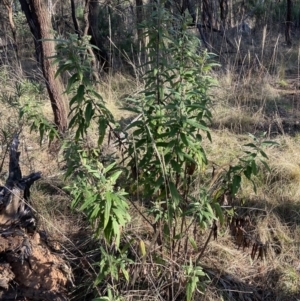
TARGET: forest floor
(254,101)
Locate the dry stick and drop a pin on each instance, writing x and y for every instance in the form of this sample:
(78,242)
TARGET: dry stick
(2,163)
(205,245)
(138,270)
(138,210)
(258,244)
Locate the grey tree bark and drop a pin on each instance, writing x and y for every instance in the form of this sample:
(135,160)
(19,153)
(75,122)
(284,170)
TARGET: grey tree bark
(288,23)
(93,31)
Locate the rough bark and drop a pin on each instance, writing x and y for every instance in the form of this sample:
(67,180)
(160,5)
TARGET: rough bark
(75,21)
(40,24)
(139,20)
(93,31)
(223,12)
(86,30)
(33,26)
(206,14)
(191,8)
(288,24)
(207,23)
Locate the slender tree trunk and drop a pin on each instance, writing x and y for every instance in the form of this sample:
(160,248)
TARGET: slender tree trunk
(86,17)
(206,14)
(86,30)
(75,21)
(192,11)
(8,4)
(40,24)
(223,13)
(139,20)
(93,31)
(207,21)
(288,24)
(231,22)
(33,26)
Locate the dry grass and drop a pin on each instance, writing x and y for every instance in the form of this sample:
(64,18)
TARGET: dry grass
(254,88)
(252,101)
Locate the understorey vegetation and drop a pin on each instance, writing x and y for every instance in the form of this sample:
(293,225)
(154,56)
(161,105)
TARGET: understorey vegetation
(170,169)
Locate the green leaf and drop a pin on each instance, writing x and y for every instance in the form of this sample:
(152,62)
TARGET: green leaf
(137,123)
(263,154)
(252,145)
(126,274)
(61,70)
(80,93)
(193,243)
(196,125)
(89,112)
(254,186)
(115,176)
(248,172)
(162,144)
(117,233)
(209,136)
(254,167)
(87,202)
(101,130)
(108,203)
(96,94)
(199,272)
(73,79)
(252,136)
(219,213)
(174,193)
(189,291)
(266,165)
(269,143)
(236,183)
(73,100)
(109,167)
(119,214)
(184,139)
(176,166)
(189,158)
(158,183)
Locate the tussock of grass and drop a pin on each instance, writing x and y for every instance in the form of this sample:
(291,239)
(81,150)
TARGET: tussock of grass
(114,89)
(283,182)
(238,120)
(245,101)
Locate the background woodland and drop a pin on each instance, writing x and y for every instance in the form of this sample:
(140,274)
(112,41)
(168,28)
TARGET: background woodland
(166,134)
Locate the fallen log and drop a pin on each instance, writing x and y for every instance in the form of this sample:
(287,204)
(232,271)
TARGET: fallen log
(29,269)
(14,196)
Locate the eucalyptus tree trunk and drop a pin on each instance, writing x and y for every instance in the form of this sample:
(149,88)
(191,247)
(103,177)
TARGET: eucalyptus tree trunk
(223,13)
(288,23)
(86,29)
(74,18)
(93,31)
(139,20)
(9,7)
(40,25)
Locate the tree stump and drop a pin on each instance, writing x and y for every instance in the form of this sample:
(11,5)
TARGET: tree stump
(29,268)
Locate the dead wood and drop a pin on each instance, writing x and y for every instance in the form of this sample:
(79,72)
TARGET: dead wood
(29,269)
(239,227)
